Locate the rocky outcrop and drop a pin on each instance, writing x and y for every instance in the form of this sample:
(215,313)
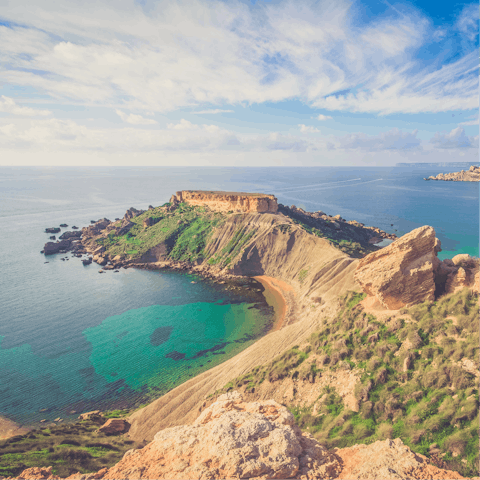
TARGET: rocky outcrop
(114,426)
(52,230)
(131,213)
(470,175)
(259,440)
(66,235)
(462,271)
(238,202)
(55,247)
(408,271)
(402,274)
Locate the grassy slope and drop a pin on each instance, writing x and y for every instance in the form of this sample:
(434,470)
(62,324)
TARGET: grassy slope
(184,232)
(69,448)
(434,401)
(187,230)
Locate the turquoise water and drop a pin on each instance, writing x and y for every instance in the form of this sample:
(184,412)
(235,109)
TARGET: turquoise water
(71,339)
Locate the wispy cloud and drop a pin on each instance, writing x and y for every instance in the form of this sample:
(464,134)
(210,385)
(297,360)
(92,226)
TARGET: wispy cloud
(213,112)
(467,21)
(322,117)
(8,105)
(121,55)
(394,139)
(134,119)
(308,129)
(454,139)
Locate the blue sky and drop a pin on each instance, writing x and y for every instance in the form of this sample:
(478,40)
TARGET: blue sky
(252,83)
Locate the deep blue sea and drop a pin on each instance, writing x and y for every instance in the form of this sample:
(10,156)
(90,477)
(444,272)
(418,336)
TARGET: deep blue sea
(71,339)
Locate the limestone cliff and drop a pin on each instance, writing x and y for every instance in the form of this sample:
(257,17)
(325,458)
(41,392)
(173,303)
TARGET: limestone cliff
(470,175)
(238,202)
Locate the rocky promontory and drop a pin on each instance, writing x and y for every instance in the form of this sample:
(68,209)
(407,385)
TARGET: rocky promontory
(470,175)
(239,202)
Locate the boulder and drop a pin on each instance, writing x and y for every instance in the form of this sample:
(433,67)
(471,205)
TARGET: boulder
(131,213)
(90,415)
(56,247)
(114,426)
(231,439)
(52,230)
(401,274)
(63,225)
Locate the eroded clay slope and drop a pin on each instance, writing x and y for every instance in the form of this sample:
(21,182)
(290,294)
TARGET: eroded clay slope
(318,274)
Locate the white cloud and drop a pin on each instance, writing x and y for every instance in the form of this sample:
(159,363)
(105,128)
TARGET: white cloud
(215,111)
(322,117)
(454,139)
(467,21)
(8,105)
(183,125)
(394,139)
(162,57)
(134,119)
(472,120)
(308,129)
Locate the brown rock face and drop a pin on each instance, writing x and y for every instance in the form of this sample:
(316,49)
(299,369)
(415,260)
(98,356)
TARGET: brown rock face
(114,426)
(229,201)
(401,274)
(231,439)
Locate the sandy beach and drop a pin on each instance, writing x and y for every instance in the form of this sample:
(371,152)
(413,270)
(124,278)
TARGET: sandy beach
(276,293)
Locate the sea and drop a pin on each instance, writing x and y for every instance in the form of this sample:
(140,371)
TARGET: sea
(72,340)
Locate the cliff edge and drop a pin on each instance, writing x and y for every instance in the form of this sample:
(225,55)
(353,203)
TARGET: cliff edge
(238,202)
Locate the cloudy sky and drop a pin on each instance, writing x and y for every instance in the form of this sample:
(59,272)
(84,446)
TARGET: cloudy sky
(148,82)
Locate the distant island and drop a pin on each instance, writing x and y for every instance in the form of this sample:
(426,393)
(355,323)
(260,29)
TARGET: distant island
(470,175)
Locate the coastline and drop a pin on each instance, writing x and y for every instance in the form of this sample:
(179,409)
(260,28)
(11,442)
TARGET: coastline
(275,295)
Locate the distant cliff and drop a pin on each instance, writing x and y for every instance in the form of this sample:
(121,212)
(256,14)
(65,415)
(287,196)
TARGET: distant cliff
(471,175)
(238,202)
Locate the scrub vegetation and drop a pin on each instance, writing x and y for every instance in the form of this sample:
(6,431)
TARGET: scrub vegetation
(413,381)
(68,448)
(184,232)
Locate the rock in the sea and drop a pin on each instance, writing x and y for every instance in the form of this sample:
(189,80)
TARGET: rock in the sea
(52,230)
(401,274)
(114,426)
(62,246)
(63,225)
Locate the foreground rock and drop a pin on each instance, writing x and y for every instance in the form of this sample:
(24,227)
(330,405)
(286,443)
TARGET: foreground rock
(259,440)
(470,175)
(401,274)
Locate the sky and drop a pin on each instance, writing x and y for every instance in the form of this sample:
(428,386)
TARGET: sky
(238,83)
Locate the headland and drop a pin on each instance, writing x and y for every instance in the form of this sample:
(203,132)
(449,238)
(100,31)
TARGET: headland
(374,350)
(470,175)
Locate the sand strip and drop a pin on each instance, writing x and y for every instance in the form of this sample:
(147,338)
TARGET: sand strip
(275,295)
